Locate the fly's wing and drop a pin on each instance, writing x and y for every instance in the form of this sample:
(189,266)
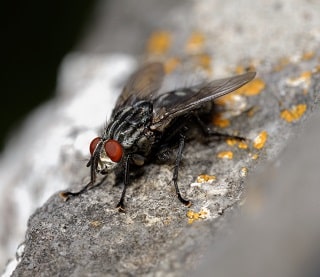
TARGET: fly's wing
(141,85)
(179,102)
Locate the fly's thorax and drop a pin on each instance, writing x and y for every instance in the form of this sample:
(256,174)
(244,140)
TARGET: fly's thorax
(129,125)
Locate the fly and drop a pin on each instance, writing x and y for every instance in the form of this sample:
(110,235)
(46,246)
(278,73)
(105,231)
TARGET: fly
(146,126)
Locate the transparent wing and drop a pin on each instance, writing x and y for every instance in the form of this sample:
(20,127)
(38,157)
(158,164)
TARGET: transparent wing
(142,84)
(179,102)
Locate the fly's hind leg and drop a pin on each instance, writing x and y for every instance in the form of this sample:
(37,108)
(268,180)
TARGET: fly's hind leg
(212,133)
(188,203)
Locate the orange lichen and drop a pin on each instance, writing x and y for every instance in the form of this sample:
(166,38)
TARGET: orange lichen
(260,140)
(195,42)
(221,122)
(159,42)
(231,141)
(193,216)
(204,61)
(171,64)
(252,88)
(167,221)
(304,79)
(95,223)
(225,155)
(254,156)
(239,69)
(243,172)
(242,145)
(308,55)
(225,99)
(294,114)
(306,75)
(283,62)
(205,178)
(232,101)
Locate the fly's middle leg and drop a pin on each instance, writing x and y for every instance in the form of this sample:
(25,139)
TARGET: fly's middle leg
(186,202)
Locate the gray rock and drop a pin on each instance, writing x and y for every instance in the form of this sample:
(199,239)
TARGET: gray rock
(86,235)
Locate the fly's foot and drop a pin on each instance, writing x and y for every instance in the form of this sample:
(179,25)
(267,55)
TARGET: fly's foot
(65,195)
(185,202)
(188,203)
(120,208)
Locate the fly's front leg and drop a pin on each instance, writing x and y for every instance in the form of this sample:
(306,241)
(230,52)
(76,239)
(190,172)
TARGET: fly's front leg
(188,203)
(120,205)
(66,194)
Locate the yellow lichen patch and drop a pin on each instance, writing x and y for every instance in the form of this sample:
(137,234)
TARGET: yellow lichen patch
(304,79)
(294,113)
(239,69)
(167,221)
(159,42)
(221,122)
(95,223)
(306,75)
(171,64)
(260,140)
(252,88)
(193,216)
(225,155)
(195,42)
(231,141)
(243,172)
(242,145)
(308,55)
(205,178)
(204,61)
(224,100)
(283,62)
(233,104)
(253,156)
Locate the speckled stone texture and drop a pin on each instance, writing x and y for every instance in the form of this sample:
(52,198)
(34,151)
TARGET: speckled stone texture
(86,236)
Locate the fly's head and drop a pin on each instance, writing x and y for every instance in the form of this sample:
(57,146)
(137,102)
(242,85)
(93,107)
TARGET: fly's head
(106,154)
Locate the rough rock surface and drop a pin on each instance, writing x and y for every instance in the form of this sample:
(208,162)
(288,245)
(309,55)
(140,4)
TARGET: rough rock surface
(86,235)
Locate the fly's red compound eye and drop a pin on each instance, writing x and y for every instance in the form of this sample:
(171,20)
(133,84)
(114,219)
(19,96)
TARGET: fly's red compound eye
(94,144)
(113,150)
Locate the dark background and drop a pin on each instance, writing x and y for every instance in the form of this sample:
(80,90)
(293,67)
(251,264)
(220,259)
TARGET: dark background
(37,35)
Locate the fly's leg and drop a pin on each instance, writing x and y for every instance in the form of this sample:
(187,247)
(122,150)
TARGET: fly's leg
(66,194)
(188,203)
(221,136)
(120,205)
(209,132)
